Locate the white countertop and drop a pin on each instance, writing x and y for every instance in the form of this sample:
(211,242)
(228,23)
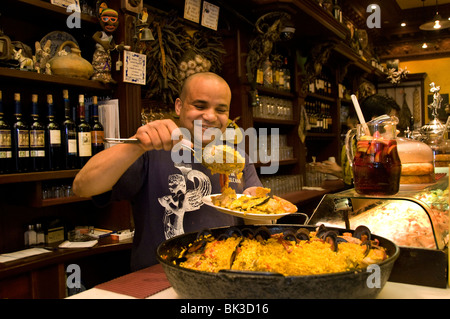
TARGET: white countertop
(391,290)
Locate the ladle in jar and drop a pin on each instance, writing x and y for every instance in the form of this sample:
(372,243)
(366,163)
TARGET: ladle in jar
(359,113)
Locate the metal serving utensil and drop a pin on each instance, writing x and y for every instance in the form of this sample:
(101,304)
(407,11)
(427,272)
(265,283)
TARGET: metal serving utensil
(113,140)
(184,143)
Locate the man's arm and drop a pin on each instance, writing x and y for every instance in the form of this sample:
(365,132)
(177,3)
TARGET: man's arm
(104,169)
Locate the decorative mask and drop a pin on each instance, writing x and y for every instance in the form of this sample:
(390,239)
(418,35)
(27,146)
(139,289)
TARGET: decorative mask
(109,19)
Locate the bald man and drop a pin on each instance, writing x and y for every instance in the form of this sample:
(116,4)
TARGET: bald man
(166,196)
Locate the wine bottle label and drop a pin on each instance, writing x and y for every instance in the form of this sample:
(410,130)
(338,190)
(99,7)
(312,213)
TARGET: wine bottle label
(5,154)
(55,137)
(37,153)
(84,144)
(5,138)
(24,138)
(72,146)
(97,137)
(23,154)
(37,138)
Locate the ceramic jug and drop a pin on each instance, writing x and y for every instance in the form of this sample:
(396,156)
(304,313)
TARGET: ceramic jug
(72,64)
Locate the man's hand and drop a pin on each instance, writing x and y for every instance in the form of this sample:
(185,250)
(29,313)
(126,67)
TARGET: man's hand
(157,135)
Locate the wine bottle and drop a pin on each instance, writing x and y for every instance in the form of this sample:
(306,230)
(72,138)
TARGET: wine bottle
(84,134)
(97,133)
(287,76)
(37,138)
(20,139)
(5,143)
(69,133)
(52,138)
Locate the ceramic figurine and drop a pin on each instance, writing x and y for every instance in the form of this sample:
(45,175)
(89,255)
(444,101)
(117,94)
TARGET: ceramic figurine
(42,56)
(101,61)
(24,62)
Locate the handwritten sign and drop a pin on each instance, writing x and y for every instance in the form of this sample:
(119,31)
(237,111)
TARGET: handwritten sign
(192,10)
(135,65)
(210,15)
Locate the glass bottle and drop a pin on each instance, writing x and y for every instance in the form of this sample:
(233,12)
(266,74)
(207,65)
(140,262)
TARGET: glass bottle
(40,235)
(267,73)
(30,236)
(20,138)
(52,138)
(5,143)
(69,133)
(97,132)
(287,76)
(84,134)
(37,138)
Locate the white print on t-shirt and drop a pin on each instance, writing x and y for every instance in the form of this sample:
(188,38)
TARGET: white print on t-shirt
(182,199)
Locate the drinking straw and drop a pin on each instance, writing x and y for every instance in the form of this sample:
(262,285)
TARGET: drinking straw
(359,113)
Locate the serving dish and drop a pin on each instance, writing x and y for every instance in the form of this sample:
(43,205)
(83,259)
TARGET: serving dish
(189,283)
(207,200)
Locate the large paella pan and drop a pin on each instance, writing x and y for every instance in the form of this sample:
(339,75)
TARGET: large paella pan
(229,282)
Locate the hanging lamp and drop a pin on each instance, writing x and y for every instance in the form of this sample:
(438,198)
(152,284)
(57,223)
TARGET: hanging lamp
(437,23)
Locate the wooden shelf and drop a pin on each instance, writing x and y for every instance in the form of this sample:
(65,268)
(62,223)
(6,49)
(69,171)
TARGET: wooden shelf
(60,256)
(41,7)
(15,74)
(320,135)
(59,201)
(263,90)
(351,55)
(321,97)
(304,196)
(309,17)
(274,121)
(37,176)
(282,162)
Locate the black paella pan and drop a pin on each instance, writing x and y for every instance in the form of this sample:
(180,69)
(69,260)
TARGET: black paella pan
(190,283)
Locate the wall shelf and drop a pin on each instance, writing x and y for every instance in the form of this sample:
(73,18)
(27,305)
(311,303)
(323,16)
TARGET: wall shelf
(37,176)
(18,75)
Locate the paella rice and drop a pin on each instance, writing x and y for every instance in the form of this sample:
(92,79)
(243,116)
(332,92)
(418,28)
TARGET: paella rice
(282,256)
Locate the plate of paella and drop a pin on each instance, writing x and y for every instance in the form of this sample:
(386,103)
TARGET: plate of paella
(258,207)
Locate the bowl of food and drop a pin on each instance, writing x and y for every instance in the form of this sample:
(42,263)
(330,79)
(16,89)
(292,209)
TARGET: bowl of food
(278,261)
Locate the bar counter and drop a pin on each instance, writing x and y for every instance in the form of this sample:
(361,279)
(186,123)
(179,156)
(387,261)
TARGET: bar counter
(151,283)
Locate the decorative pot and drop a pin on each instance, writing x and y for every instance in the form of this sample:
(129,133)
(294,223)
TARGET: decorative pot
(71,64)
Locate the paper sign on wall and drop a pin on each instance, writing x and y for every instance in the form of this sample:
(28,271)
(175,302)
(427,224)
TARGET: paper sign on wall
(135,65)
(210,15)
(66,3)
(192,10)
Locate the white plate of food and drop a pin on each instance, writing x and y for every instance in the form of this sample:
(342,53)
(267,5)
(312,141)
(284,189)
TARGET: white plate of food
(257,201)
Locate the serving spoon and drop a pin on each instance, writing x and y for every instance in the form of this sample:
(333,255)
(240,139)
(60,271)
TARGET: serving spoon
(208,158)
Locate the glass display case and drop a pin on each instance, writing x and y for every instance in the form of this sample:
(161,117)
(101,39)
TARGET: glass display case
(416,219)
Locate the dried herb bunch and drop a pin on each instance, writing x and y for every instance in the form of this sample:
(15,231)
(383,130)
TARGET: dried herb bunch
(162,57)
(204,53)
(175,54)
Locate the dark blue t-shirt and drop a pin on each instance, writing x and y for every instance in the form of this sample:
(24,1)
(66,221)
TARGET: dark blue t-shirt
(167,200)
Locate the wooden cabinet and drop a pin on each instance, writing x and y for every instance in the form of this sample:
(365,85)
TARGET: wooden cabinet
(314,26)
(21,195)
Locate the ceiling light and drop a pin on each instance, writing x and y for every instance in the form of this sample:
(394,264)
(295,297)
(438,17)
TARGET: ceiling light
(437,23)
(403,24)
